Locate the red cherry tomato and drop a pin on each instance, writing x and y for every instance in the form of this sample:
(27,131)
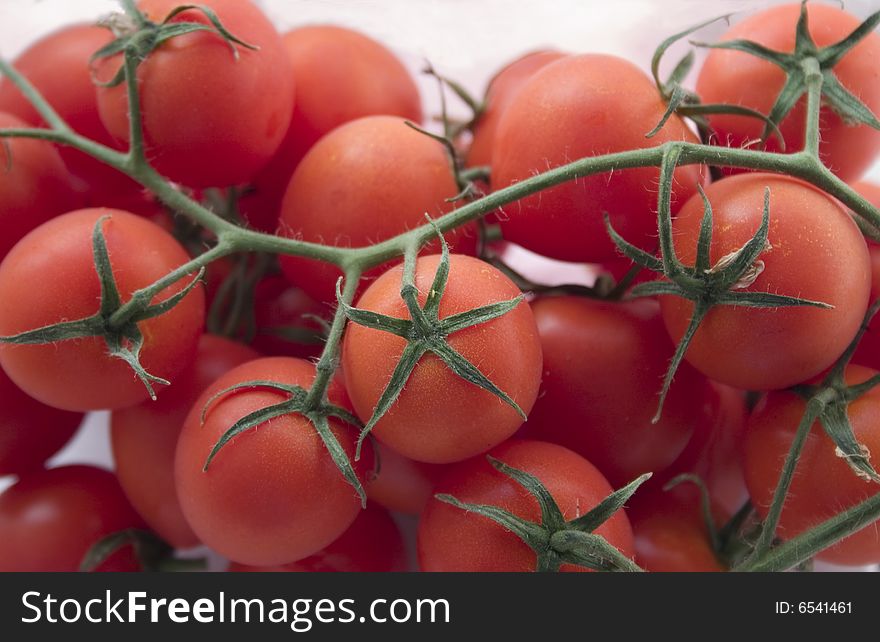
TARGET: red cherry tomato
(439,417)
(80,374)
(144,439)
(273,495)
(403,485)
(210,118)
(451,539)
(50,519)
(765,349)
(823,484)
(372,544)
(739,78)
(577,107)
(285,319)
(868,352)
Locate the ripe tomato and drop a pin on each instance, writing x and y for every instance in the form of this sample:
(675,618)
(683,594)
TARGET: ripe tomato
(210,119)
(739,78)
(50,519)
(34,185)
(868,352)
(502,88)
(30,432)
(765,349)
(439,417)
(341,75)
(823,484)
(372,544)
(573,108)
(366,181)
(403,485)
(58,65)
(281,313)
(80,374)
(144,439)
(273,495)
(603,364)
(451,539)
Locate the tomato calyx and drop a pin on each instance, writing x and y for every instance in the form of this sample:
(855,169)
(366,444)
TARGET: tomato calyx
(152,552)
(139,36)
(298,403)
(807,59)
(116,322)
(704,284)
(555,540)
(426,332)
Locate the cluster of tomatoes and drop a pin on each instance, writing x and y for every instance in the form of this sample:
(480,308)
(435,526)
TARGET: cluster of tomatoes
(305,136)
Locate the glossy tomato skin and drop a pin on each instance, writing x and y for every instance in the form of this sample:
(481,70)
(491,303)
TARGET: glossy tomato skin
(80,374)
(372,544)
(50,519)
(30,432)
(440,418)
(502,88)
(59,66)
(823,484)
(402,484)
(280,307)
(34,187)
(144,439)
(341,75)
(739,78)
(450,539)
(603,368)
(868,352)
(192,87)
(366,181)
(273,495)
(577,107)
(766,349)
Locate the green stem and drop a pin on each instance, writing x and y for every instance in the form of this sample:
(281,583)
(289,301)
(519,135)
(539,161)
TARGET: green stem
(136,155)
(813,75)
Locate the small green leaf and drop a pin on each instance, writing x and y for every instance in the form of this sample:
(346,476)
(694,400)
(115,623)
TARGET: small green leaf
(593,519)
(836,423)
(528,532)
(551,516)
(338,455)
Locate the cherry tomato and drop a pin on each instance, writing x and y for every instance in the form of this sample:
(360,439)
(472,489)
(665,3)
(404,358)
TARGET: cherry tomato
(366,181)
(285,319)
(80,374)
(603,365)
(770,348)
(577,107)
(273,495)
(739,78)
(372,544)
(144,439)
(439,417)
(30,432)
(451,539)
(341,75)
(50,519)
(868,352)
(823,484)
(210,118)
(34,185)
(403,485)
(502,88)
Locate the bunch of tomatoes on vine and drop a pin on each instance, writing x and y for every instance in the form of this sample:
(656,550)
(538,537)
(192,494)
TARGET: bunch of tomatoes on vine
(291,288)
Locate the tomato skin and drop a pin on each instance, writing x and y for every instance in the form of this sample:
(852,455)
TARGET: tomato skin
(183,111)
(440,418)
(372,544)
(30,432)
(80,374)
(33,189)
(742,79)
(502,88)
(451,539)
(59,66)
(273,495)
(603,368)
(50,519)
(367,181)
(823,484)
(577,107)
(402,484)
(278,306)
(868,352)
(341,75)
(144,439)
(766,349)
